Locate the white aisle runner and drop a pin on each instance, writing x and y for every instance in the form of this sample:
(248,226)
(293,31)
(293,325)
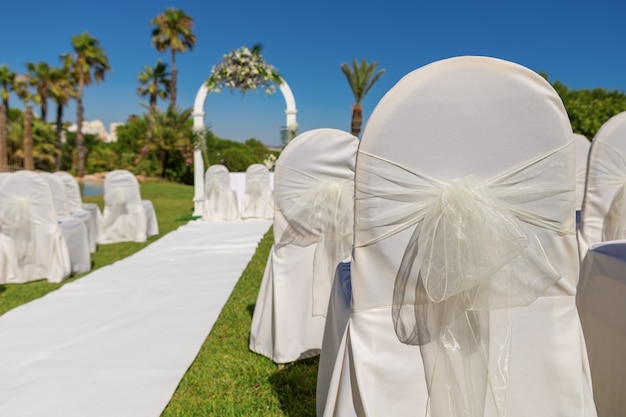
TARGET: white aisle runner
(117,342)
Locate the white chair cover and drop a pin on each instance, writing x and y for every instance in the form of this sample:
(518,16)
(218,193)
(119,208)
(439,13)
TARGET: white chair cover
(603,214)
(258,199)
(78,208)
(313,186)
(464,235)
(601,301)
(220,201)
(74,227)
(151,218)
(339,307)
(4,176)
(124,213)
(582,153)
(32,246)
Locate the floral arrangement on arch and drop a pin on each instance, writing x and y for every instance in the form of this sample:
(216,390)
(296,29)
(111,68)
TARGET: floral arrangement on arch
(245,70)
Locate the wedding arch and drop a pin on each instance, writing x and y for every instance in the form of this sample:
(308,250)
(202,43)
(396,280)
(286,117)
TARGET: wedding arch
(242,69)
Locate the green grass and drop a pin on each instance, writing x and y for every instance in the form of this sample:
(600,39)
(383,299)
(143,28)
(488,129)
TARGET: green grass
(226,379)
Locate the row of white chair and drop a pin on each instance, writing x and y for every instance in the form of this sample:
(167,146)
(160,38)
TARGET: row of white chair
(41,236)
(46,231)
(220,200)
(459,294)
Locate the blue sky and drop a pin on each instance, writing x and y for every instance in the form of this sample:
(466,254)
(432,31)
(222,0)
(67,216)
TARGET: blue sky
(579,43)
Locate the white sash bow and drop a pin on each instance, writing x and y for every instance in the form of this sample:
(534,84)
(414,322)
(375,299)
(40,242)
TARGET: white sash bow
(318,211)
(473,249)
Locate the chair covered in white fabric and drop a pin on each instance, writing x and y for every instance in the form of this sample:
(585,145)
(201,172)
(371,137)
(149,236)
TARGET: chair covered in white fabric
(220,201)
(76,206)
(126,216)
(603,213)
(313,189)
(32,246)
(73,226)
(582,153)
(464,266)
(602,289)
(4,176)
(258,198)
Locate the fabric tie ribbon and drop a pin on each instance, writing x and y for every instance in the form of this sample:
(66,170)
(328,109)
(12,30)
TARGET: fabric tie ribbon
(21,228)
(473,249)
(318,211)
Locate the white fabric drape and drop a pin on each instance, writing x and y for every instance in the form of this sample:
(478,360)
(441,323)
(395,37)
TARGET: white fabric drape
(582,154)
(467,128)
(258,198)
(220,201)
(73,225)
(313,188)
(610,172)
(32,246)
(604,208)
(601,301)
(318,212)
(471,251)
(124,217)
(80,209)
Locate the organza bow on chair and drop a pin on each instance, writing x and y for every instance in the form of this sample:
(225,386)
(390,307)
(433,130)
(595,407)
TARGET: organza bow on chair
(318,211)
(473,249)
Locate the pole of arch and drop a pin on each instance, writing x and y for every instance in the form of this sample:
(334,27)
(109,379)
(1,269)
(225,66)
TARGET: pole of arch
(199,129)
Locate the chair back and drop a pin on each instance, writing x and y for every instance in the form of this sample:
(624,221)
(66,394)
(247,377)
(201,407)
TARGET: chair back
(74,199)
(220,201)
(603,213)
(59,194)
(30,238)
(258,199)
(464,203)
(313,188)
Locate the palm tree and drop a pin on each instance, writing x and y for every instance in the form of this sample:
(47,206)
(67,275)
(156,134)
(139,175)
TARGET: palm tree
(7,85)
(151,81)
(171,131)
(89,63)
(62,88)
(172,30)
(155,83)
(39,77)
(21,88)
(361,78)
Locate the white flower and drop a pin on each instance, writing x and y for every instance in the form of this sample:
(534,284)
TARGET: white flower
(245,71)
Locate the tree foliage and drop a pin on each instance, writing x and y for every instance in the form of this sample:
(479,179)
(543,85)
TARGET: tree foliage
(173,30)
(588,109)
(361,78)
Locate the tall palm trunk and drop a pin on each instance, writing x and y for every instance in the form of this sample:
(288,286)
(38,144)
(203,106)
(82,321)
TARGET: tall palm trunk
(357,119)
(28,138)
(44,108)
(150,121)
(173,81)
(4,122)
(80,140)
(59,139)
(5,103)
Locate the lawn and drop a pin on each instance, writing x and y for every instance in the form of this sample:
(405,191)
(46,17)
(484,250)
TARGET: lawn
(226,379)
